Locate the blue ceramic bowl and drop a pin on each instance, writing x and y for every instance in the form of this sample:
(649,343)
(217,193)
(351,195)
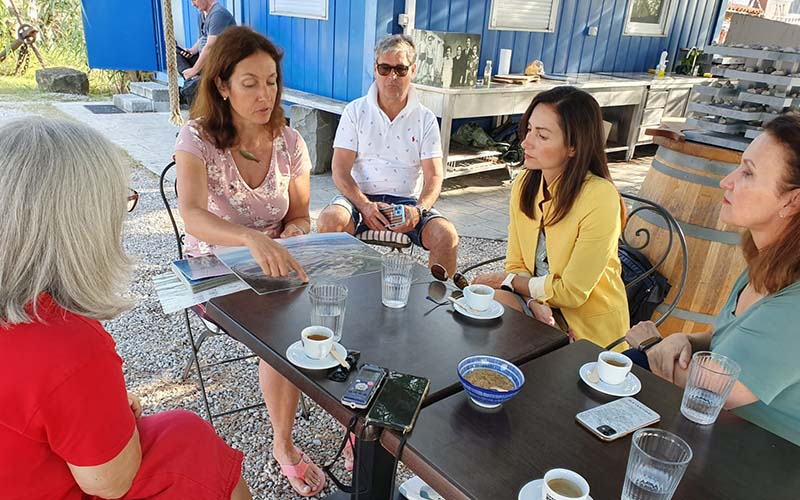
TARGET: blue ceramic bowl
(489,398)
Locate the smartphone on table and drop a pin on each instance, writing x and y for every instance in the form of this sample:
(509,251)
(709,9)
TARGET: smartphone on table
(617,419)
(398,403)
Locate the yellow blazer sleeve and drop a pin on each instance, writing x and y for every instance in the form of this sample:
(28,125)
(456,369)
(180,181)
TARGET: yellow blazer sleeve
(514,260)
(599,228)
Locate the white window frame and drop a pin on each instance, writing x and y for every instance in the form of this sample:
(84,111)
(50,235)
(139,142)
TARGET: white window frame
(660,29)
(495,24)
(286,10)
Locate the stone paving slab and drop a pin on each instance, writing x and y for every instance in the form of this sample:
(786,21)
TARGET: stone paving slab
(476,204)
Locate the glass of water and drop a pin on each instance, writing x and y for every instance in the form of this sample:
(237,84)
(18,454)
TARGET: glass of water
(711,379)
(656,465)
(328,302)
(396,279)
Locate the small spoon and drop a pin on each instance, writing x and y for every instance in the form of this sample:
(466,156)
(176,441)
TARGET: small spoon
(340,359)
(464,305)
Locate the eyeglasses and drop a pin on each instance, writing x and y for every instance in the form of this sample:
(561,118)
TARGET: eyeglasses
(385,69)
(440,273)
(133,199)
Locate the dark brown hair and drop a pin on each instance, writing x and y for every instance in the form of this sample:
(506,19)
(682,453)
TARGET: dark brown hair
(582,123)
(214,113)
(778,265)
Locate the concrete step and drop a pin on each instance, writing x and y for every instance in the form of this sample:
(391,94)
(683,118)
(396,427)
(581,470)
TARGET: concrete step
(154,91)
(131,103)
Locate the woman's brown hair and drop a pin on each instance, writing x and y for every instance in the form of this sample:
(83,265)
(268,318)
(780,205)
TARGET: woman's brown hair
(214,113)
(778,265)
(582,124)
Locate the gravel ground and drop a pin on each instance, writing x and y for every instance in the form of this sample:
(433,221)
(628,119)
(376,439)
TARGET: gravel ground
(155,347)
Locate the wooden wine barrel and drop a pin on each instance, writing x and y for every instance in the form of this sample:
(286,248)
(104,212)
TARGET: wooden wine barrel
(684,178)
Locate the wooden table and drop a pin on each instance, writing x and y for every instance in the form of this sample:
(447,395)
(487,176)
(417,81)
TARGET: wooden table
(421,339)
(464,452)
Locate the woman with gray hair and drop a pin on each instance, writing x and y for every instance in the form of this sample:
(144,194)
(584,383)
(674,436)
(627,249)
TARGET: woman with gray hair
(68,427)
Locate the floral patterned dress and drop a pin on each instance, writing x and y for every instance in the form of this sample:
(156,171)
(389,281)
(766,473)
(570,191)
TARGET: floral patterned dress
(229,197)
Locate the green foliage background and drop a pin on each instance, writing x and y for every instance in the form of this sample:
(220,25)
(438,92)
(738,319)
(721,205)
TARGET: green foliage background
(60,42)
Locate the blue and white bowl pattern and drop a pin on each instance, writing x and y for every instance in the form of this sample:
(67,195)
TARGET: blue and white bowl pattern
(488,398)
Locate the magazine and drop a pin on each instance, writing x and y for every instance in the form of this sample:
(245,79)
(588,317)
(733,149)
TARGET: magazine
(174,295)
(328,256)
(203,273)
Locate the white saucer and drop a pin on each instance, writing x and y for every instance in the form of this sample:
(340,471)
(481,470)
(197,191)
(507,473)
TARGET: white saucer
(533,491)
(495,310)
(630,386)
(297,356)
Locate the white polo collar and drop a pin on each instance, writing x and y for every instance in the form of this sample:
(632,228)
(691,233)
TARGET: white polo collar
(411,104)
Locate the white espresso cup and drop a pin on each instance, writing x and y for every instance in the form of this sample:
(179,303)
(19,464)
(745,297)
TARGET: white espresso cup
(563,484)
(479,297)
(613,367)
(317,341)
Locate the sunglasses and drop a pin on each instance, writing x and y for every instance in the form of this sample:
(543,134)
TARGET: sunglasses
(437,293)
(385,69)
(133,199)
(340,373)
(440,273)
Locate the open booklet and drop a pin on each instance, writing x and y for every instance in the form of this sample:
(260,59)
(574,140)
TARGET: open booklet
(327,255)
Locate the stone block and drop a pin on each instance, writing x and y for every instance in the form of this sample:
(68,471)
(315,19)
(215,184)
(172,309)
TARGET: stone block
(161,106)
(62,80)
(133,103)
(154,91)
(318,129)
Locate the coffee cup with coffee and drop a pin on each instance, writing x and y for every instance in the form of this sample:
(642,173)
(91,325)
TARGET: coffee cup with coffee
(479,297)
(563,484)
(317,341)
(613,367)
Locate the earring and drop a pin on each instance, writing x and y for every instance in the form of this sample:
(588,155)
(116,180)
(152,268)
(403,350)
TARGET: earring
(224,98)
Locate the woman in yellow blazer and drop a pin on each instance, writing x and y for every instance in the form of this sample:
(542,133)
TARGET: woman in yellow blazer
(565,222)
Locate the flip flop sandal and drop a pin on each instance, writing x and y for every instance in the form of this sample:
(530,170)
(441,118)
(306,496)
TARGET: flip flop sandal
(299,471)
(351,443)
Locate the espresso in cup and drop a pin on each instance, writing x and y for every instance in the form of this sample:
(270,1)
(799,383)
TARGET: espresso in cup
(613,367)
(563,484)
(479,297)
(317,341)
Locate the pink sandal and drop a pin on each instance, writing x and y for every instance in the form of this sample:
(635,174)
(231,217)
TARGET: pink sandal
(299,471)
(348,462)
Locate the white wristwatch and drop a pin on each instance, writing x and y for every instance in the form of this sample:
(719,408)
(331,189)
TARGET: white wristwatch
(508,283)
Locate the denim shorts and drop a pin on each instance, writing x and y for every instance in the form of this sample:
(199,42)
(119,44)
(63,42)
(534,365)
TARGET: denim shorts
(415,234)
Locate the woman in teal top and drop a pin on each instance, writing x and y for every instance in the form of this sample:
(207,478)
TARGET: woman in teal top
(759,326)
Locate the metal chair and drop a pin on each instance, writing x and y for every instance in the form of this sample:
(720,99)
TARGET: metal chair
(210,328)
(642,234)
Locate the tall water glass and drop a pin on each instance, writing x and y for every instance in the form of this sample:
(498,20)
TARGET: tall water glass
(656,465)
(711,379)
(396,279)
(328,302)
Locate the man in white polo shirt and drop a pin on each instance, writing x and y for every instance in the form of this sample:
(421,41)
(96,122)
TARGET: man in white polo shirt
(388,151)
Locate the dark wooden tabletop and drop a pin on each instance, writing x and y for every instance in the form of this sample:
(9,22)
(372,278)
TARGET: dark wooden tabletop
(465,452)
(421,339)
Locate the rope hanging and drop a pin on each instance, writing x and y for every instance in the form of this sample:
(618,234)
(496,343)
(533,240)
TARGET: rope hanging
(172,64)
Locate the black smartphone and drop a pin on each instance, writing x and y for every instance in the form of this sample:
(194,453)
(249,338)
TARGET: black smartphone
(398,403)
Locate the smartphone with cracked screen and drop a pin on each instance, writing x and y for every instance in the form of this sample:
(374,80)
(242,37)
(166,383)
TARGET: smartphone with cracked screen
(398,403)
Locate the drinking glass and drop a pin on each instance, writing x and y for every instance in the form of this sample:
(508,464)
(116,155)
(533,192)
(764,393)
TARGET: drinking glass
(656,464)
(396,279)
(328,303)
(711,378)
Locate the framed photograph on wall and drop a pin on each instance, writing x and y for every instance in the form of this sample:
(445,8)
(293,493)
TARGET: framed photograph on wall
(447,59)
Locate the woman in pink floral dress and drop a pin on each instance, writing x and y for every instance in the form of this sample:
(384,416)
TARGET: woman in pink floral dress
(243,179)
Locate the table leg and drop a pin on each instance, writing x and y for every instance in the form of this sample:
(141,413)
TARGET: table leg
(375,476)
